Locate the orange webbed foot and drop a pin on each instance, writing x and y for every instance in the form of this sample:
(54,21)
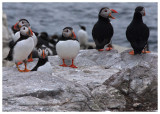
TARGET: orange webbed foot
(144,52)
(109,48)
(26,70)
(131,52)
(100,49)
(30,60)
(73,66)
(63,65)
(20,70)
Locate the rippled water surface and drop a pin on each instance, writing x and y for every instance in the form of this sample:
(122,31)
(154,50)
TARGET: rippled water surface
(53,17)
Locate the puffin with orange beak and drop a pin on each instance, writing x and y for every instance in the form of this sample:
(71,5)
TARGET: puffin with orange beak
(22,48)
(137,33)
(68,46)
(16,36)
(43,64)
(102,31)
(22,22)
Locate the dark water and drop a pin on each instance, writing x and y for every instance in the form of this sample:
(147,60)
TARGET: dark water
(53,17)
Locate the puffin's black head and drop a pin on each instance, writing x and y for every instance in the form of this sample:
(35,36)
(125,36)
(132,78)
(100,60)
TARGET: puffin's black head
(68,33)
(44,35)
(26,31)
(20,23)
(43,52)
(83,27)
(106,12)
(140,10)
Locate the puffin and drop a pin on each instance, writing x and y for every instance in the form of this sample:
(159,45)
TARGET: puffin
(22,48)
(68,46)
(43,65)
(137,32)
(43,39)
(15,28)
(82,36)
(102,31)
(16,36)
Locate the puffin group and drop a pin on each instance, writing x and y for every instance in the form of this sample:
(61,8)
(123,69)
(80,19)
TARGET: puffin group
(67,47)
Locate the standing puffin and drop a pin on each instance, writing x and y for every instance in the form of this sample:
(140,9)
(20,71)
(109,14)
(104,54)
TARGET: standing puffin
(22,48)
(43,65)
(137,32)
(82,36)
(102,31)
(68,47)
(16,36)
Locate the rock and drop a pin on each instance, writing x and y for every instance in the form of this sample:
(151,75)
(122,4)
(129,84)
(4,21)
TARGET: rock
(136,105)
(108,98)
(39,90)
(6,39)
(103,81)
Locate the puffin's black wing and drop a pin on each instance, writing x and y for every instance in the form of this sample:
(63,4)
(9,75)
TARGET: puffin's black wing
(137,34)
(102,33)
(41,62)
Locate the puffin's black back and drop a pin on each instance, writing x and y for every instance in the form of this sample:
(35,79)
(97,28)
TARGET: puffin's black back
(102,32)
(137,33)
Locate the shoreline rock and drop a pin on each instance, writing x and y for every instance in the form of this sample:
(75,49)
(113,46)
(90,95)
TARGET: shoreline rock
(104,81)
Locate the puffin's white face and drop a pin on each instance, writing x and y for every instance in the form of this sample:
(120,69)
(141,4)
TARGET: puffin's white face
(67,33)
(24,30)
(23,23)
(105,12)
(143,12)
(43,52)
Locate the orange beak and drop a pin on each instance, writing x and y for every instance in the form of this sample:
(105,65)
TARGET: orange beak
(30,33)
(74,36)
(16,27)
(111,16)
(43,55)
(144,14)
(113,11)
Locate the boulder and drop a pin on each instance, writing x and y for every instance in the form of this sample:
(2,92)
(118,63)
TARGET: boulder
(6,39)
(103,81)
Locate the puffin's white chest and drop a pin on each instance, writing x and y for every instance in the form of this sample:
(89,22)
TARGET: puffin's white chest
(82,37)
(16,36)
(35,39)
(45,68)
(22,49)
(68,49)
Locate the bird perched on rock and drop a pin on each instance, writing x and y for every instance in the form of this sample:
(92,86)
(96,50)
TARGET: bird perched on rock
(102,31)
(82,37)
(68,47)
(22,48)
(16,36)
(43,64)
(43,39)
(137,32)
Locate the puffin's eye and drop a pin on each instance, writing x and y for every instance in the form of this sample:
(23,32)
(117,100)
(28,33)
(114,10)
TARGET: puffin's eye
(24,28)
(22,22)
(105,10)
(67,30)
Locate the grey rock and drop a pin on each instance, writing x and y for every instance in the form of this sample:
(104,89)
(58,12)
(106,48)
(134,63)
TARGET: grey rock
(102,82)
(6,39)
